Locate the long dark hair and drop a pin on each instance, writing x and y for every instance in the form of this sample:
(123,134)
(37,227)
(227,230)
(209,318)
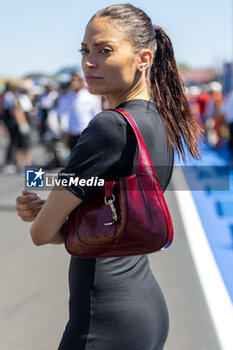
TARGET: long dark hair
(167,89)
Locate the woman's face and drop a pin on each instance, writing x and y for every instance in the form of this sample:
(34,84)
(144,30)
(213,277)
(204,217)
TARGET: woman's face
(108,59)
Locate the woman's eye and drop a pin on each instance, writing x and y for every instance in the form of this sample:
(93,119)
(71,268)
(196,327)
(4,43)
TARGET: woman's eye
(83,51)
(105,50)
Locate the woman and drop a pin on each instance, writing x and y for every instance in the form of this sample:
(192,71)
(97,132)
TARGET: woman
(116,303)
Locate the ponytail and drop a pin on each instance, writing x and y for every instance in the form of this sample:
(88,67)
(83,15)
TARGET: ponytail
(167,92)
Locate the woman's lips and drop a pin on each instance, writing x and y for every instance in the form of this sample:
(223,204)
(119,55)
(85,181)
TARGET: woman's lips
(92,78)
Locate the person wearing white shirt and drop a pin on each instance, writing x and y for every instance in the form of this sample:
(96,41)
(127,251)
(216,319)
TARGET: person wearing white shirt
(46,103)
(80,107)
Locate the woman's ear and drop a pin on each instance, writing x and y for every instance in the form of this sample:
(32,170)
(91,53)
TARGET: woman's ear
(144,60)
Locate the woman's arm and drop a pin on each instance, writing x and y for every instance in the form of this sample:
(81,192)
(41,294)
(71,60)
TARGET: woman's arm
(49,223)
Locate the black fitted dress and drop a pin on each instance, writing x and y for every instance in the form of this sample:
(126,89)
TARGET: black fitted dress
(116,303)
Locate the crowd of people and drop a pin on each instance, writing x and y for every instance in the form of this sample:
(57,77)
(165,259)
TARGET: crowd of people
(58,115)
(214,113)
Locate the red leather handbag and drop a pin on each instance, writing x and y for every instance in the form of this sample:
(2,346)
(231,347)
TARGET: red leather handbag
(126,217)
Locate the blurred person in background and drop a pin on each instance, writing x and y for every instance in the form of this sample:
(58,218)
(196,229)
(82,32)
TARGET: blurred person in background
(8,105)
(214,121)
(46,102)
(25,101)
(211,106)
(227,110)
(79,106)
(219,119)
(22,109)
(1,109)
(202,101)
(192,97)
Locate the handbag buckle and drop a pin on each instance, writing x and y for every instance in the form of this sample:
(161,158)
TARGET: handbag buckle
(113,209)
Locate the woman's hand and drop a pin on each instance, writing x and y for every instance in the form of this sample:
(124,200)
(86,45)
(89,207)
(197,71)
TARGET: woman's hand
(48,225)
(28,205)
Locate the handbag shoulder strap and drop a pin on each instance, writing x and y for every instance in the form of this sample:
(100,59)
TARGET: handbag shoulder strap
(145,165)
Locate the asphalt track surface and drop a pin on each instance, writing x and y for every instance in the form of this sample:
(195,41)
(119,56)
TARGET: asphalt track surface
(34,285)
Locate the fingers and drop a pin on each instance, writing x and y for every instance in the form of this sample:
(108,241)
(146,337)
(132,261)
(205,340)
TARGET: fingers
(28,218)
(28,205)
(26,198)
(25,192)
(29,213)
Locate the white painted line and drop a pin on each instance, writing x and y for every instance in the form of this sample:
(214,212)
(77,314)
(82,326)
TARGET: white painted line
(217,297)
